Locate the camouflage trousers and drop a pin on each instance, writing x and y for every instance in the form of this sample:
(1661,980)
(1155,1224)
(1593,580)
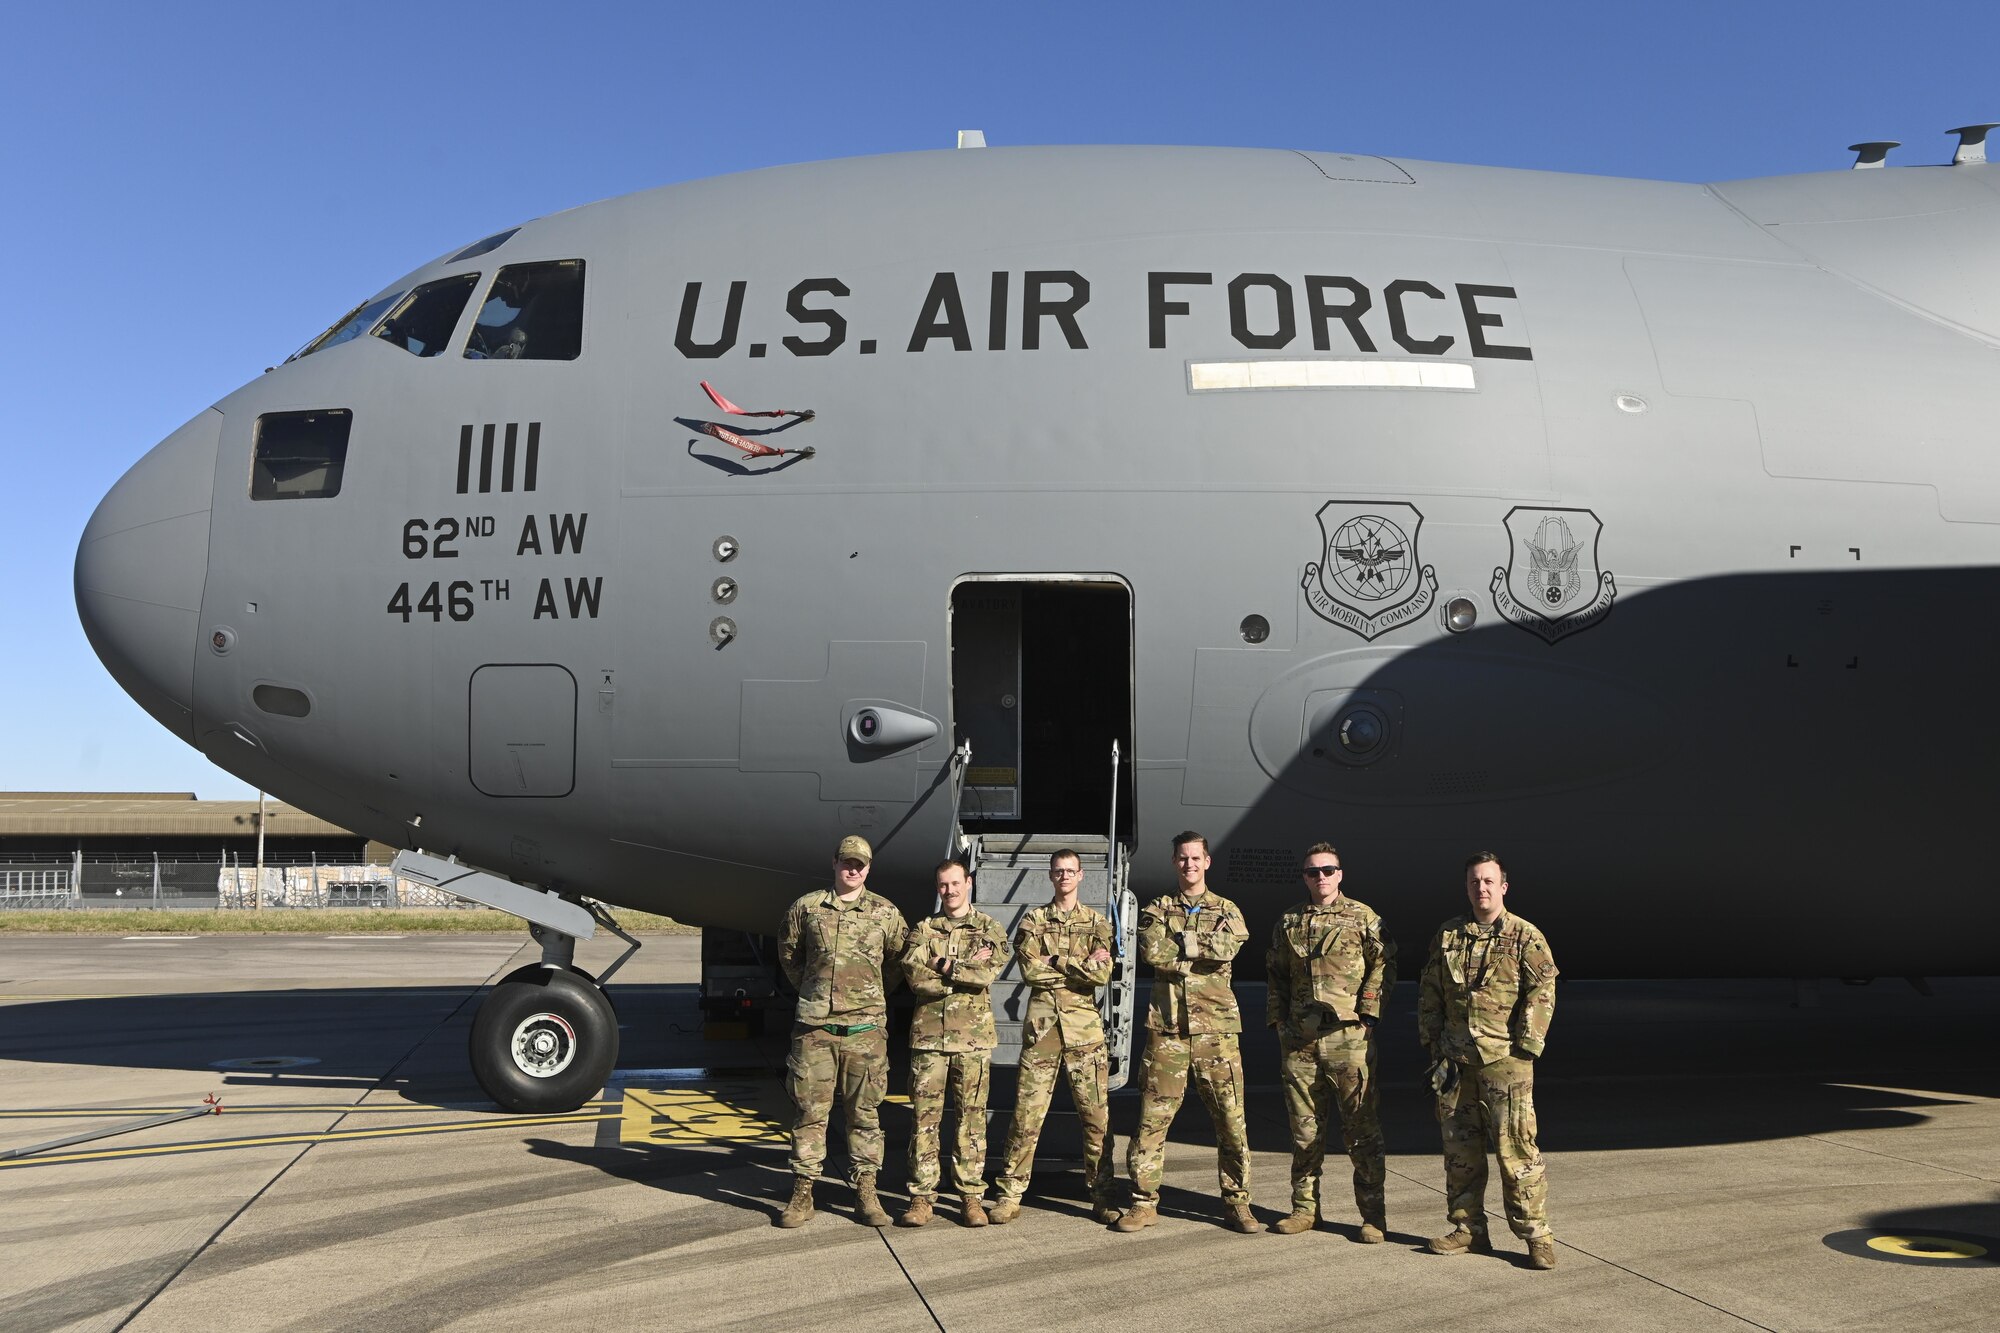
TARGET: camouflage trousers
(965,1075)
(1089,1072)
(855,1069)
(1335,1071)
(1493,1110)
(1215,1060)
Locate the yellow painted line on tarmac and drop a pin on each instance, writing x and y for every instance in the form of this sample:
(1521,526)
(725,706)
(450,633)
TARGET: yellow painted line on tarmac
(328,1136)
(257,1108)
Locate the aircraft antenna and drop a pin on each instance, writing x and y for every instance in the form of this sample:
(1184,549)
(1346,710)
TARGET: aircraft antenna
(1971,144)
(972,138)
(1873,153)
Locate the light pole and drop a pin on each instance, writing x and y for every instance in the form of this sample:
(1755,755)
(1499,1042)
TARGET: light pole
(260,853)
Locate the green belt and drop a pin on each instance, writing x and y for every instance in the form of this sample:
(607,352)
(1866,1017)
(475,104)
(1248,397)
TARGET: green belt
(848,1029)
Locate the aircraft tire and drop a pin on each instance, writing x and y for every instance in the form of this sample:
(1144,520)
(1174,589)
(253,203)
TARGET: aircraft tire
(534,972)
(543,1042)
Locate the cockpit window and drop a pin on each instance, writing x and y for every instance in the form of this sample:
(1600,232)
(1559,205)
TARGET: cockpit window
(300,455)
(350,325)
(533,313)
(487,246)
(426,317)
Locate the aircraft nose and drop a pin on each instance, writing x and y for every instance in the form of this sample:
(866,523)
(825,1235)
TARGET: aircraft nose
(140,568)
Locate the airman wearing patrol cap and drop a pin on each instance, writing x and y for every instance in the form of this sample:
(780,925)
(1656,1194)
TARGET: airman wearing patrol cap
(838,943)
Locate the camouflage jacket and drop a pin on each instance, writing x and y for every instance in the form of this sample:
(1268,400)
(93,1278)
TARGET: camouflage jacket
(834,954)
(1063,995)
(954,1009)
(1190,953)
(1487,991)
(1328,966)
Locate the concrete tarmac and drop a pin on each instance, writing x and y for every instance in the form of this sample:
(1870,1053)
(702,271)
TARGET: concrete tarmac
(1719,1157)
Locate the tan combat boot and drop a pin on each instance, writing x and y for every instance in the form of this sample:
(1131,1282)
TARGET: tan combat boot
(918,1213)
(1372,1233)
(800,1210)
(974,1209)
(1303,1217)
(1460,1240)
(1241,1220)
(1137,1218)
(1004,1211)
(1105,1211)
(1542,1252)
(867,1206)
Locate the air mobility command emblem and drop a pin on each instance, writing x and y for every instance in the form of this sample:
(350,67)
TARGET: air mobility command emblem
(1552,585)
(1368,578)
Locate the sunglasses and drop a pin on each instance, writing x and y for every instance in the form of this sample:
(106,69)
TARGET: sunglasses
(1321,872)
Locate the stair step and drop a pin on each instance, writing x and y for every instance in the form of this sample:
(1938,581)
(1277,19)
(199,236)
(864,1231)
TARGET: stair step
(1043,844)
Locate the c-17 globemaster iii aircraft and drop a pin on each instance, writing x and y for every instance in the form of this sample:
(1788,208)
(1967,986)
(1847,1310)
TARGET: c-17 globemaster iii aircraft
(1647,532)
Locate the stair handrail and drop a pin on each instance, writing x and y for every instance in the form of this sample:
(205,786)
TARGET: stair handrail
(1111,853)
(961,763)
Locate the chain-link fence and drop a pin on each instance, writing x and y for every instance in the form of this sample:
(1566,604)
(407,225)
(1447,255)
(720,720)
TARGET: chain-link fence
(221,884)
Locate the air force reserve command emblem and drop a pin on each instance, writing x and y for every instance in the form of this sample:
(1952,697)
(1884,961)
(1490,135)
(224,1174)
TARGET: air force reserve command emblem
(1552,585)
(1368,578)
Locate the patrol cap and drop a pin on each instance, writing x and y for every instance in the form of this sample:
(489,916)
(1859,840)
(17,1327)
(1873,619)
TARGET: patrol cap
(854,847)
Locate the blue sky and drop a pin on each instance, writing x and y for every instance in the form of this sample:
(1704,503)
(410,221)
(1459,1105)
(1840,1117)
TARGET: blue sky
(193,191)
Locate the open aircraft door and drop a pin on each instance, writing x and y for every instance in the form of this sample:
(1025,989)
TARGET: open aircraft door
(1041,693)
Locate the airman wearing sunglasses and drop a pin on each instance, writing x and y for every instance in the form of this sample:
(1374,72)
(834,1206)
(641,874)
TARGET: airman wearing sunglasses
(1331,968)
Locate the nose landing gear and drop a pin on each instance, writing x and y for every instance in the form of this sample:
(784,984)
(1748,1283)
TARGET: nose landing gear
(544,1040)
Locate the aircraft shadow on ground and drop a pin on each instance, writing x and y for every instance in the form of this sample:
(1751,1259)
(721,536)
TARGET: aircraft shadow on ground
(752,1177)
(1630,1066)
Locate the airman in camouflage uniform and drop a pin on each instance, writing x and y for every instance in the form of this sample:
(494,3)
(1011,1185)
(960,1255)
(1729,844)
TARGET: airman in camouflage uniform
(1330,969)
(837,942)
(1193,1027)
(1065,951)
(1488,993)
(951,962)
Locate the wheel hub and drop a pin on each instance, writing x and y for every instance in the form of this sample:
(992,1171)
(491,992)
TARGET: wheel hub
(543,1045)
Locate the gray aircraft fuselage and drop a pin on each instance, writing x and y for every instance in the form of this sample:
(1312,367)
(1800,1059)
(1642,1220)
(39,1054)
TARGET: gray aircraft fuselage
(1712,467)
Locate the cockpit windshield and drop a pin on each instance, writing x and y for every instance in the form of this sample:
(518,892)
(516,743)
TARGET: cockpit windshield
(423,322)
(534,312)
(350,325)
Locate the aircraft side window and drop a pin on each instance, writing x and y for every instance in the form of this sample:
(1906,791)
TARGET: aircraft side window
(299,455)
(533,313)
(423,322)
(350,325)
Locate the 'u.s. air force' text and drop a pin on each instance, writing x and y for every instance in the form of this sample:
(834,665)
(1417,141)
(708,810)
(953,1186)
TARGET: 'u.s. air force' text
(1038,308)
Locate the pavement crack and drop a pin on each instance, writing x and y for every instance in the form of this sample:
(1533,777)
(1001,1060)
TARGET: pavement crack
(904,1269)
(1665,1286)
(1609,1263)
(1907,1161)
